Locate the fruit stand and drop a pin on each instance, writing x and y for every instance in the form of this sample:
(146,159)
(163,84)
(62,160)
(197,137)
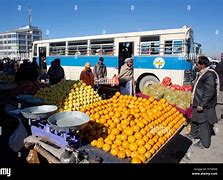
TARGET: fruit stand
(122,129)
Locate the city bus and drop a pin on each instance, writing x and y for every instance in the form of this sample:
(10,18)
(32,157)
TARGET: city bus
(156,54)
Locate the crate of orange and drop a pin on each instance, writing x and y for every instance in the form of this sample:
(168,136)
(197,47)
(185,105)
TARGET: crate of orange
(186,112)
(131,128)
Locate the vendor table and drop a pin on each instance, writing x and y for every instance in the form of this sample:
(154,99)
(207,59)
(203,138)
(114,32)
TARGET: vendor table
(106,90)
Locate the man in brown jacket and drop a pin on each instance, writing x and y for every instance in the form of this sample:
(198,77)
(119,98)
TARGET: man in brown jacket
(86,75)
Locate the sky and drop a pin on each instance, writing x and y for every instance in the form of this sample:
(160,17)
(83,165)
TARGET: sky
(73,18)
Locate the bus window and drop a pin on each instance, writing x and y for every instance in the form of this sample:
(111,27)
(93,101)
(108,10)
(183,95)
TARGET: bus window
(149,45)
(77,48)
(174,47)
(177,47)
(102,47)
(57,48)
(168,47)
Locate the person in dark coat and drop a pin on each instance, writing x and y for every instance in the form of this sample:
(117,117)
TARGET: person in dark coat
(219,107)
(55,72)
(100,70)
(26,72)
(204,97)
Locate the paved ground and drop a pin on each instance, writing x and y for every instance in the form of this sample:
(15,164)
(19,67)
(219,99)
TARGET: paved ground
(214,154)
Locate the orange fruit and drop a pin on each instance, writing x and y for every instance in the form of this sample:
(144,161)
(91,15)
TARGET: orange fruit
(152,151)
(156,147)
(149,135)
(118,142)
(138,135)
(111,137)
(124,127)
(128,131)
(128,152)
(145,121)
(125,121)
(115,131)
(125,144)
(124,116)
(142,150)
(151,142)
(136,128)
(94,142)
(83,109)
(162,140)
(106,147)
(147,146)
(113,146)
(145,138)
(159,144)
(133,146)
(143,131)
(97,116)
(121,154)
(140,142)
(117,114)
(117,94)
(114,151)
(155,139)
(119,127)
(142,158)
(136,160)
(162,100)
(141,124)
(151,99)
(134,154)
(100,144)
(123,137)
(148,155)
(131,139)
(116,120)
(132,123)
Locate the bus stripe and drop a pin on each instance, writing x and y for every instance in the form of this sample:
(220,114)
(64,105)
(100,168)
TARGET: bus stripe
(147,62)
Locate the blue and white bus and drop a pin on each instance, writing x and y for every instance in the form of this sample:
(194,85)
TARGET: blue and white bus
(156,53)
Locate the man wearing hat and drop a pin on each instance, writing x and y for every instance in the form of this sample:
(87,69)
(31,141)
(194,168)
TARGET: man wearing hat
(100,70)
(126,77)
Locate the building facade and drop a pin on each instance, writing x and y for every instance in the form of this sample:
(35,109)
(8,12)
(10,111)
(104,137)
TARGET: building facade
(17,44)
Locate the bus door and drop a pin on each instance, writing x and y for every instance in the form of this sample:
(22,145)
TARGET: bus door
(126,50)
(42,59)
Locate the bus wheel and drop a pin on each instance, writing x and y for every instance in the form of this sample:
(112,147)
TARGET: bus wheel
(146,80)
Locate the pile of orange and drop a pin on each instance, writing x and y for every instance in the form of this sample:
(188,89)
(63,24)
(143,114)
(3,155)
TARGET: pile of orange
(130,126)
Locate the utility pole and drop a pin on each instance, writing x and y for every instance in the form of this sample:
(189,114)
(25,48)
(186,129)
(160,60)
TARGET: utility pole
(30,16)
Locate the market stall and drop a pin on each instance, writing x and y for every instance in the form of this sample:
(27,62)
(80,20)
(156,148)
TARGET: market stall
(121,129)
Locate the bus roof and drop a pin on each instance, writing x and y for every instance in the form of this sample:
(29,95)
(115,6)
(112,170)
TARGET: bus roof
(182,30)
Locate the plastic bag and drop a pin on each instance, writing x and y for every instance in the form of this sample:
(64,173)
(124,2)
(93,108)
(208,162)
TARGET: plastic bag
(16,139)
